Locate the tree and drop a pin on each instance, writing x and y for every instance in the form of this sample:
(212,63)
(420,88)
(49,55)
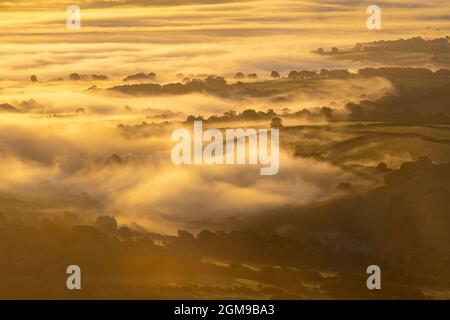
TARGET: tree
(99,77)
(382,167)
(106,224)
(326,112)
(74,76)
(274,74)
(293,75)
(206,236)
(305,74)
(358,47)
(276,123)
(125,232)
(271,112)
(33,78)
(191,118)
(356,111)
(334,50)
(230,114)
(239,75)
(184,235)
(215,82)
(320,51)
(324,73)
(249,114)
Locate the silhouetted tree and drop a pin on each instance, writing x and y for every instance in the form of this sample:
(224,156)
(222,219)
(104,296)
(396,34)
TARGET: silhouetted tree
(106,224)
(382,167)
(274,74)
(357,47)
(99,77)
(74,76)
(326,112)
(356,111)
(276,123)
(230,114)
(184,235)
(249,114)
(293,75)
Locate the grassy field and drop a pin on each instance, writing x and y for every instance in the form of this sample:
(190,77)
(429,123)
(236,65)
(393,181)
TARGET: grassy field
(367,144)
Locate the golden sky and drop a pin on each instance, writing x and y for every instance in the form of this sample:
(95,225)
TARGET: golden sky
(120,37)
